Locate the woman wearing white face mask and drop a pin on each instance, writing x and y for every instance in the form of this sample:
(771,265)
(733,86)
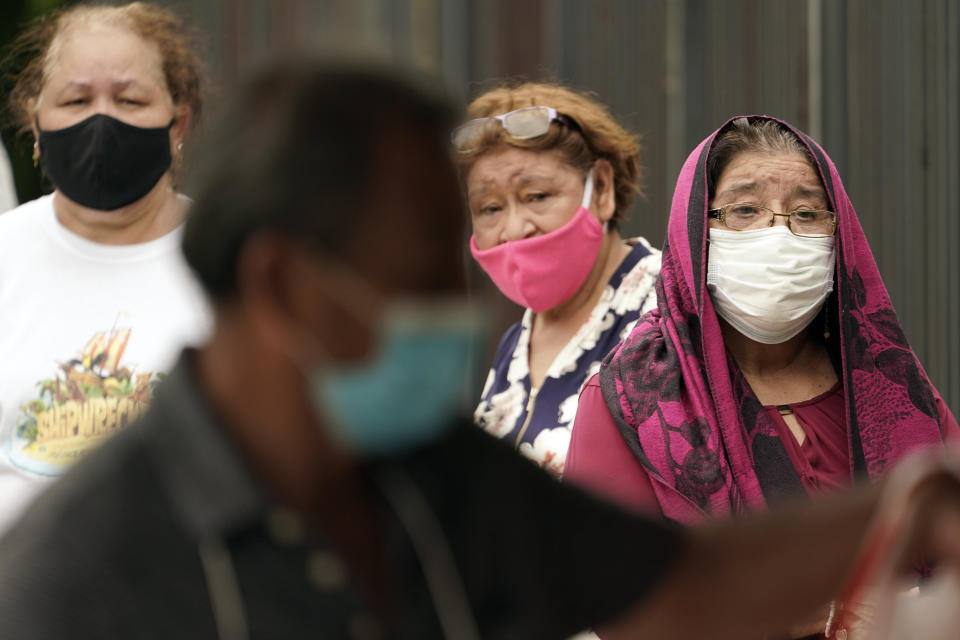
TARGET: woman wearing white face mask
(748,384)
(548,175)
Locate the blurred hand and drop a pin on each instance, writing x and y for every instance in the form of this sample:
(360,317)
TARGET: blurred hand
(931,615)
(860,617)
(811,627)
(918,522)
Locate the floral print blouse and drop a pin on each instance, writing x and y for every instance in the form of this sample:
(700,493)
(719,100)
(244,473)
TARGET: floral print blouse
(538,421)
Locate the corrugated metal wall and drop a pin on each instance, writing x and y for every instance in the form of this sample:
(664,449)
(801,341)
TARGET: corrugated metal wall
(900,142)
(876,81)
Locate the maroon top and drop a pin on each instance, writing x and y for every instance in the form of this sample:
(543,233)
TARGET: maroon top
(822,461)
(687,414)
(600,461)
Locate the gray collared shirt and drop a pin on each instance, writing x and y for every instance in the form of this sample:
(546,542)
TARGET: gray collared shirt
(165,533)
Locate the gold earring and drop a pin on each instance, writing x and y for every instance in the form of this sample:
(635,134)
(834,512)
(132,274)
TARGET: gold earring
(178,163)
(36,153)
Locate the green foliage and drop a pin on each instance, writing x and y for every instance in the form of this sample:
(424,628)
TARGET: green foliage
(93,391)
(36,7)
(28,430)
(14,14)
(124,388)
(47,387)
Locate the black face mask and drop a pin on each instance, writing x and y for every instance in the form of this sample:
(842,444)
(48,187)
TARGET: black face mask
(103,163)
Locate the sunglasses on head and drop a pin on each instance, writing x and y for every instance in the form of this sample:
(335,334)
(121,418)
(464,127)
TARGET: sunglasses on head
(521,124)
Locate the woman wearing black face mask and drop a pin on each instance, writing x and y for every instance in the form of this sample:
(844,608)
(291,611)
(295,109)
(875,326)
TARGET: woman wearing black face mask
(96,300)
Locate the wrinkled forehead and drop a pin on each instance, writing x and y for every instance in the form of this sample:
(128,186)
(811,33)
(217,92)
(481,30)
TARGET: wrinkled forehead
(105,25)
(772,151)
(761,174)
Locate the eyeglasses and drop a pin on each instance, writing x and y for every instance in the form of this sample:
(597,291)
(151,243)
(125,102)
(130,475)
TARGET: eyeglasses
(522,124)
(743,216)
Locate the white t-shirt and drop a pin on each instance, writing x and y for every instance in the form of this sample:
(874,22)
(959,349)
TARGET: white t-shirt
(86,332)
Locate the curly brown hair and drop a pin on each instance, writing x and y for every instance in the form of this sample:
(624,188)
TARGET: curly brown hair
(34,51)
(597,135)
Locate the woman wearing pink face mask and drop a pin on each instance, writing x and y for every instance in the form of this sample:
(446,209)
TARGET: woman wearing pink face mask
(548,175)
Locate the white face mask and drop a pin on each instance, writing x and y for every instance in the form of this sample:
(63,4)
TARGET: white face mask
(769,284)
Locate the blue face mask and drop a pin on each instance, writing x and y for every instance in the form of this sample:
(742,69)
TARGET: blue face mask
(418,380)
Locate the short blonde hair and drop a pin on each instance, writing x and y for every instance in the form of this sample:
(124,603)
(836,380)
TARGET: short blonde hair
(599,135)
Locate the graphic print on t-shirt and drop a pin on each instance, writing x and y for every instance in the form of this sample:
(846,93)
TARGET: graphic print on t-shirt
(86,399)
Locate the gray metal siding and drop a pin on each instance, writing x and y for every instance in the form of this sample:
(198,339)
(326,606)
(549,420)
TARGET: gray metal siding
(880,87)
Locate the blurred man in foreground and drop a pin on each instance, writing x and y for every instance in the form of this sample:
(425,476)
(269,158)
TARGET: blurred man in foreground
(304,473)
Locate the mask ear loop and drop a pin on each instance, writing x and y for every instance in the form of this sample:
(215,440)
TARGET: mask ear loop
(588,194)
(587,190)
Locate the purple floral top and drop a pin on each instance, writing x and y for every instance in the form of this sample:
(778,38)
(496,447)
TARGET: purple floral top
(539,421)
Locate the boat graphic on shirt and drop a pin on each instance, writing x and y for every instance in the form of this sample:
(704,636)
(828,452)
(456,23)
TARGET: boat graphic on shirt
(87,399)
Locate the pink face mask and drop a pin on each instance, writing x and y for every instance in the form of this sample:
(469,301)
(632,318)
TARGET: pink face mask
(544,271)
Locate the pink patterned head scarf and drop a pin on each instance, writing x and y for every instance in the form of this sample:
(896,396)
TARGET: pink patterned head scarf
(688,414)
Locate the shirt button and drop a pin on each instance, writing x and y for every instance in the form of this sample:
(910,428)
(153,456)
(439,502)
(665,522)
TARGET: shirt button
(285,526)
(363,626)
(326,570)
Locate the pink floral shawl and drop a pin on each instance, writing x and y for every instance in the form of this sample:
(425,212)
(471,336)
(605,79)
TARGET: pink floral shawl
(686,411)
